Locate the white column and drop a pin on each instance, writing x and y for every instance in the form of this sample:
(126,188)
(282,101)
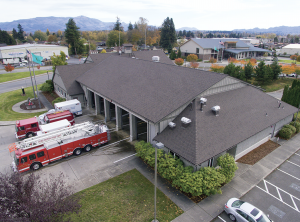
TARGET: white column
(133,127)
(106,110)
(118,118)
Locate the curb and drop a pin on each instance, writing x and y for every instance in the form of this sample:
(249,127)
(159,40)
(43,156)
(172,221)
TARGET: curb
(7,123)
(23,78)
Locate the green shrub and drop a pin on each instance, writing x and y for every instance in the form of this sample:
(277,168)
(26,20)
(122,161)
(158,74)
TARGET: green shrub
(45,87)
(58,100)
(297,126)
(228,166)
(212,181)
(292,128)
(50,82)
(298,117)
(199,60)
(285,133)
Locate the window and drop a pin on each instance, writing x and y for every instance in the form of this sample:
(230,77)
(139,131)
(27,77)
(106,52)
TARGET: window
(197,50)
(237,203)
(32,157)
(40,154)
(24,160)
(33,125)
(244,215)
(250,219)
(22,128)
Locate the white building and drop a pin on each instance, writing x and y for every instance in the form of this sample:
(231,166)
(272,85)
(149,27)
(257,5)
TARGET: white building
(290,49)
(16,53)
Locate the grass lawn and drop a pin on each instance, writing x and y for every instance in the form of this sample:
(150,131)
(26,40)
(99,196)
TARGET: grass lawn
(8,99)
(288,61)
(19,75)
(127,197)
(275,85)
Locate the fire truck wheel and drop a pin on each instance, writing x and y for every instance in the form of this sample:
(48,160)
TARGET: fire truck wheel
(36,166)
(28,135)
(87,148)
(77,152)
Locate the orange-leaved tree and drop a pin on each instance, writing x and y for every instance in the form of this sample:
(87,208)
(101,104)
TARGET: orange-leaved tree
(217,68)
(179,61)
(293,57)
(194,65)
(9,68)
(253,61)
(38,66)
(232,60)
(288,69)
(192,58)
(212,60)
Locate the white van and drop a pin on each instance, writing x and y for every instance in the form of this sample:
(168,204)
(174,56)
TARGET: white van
(74,106)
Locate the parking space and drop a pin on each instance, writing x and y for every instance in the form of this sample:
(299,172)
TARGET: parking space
(278,194)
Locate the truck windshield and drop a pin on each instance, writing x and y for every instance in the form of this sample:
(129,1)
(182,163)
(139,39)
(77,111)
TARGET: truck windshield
(16,159)
(17,129)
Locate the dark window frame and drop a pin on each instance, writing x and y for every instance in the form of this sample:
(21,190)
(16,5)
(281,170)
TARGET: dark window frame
(32,157)
(40,154)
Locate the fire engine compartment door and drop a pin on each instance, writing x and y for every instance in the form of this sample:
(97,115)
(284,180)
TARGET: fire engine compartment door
(54,152)
(67,148)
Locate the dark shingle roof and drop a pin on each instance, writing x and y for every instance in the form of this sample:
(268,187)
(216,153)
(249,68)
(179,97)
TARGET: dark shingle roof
(149,89)
(215,42)
(242,115)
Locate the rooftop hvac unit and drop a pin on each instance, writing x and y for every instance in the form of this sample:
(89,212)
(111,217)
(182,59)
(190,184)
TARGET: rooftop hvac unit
(172,125)
(216,110)
(155,58)
(203,101)
(185,121)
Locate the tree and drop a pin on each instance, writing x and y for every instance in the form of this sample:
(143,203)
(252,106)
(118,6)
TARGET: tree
(179,61)
(248,69)
(168,34)
(52,38)
(192,58)
(73,36)
(130,26)
(20,32)
(30,198)
(276,69)
(59,33)
(6,38)
(113,38)
(217,68)
(40,35)
(293,57)
(172,55)
(14,34)
(58,60)
(47,32)
(194,65)
(9,68)
(179,53)
(103,51)
(117,25)
(298,58)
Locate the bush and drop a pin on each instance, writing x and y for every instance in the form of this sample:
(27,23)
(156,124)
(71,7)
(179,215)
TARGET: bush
(296,116)
(228,166)
(199,60)
(285,133)
(192,58)
(297,126)
(46,88)
(58,100)
(292,128)
(217,68)
(212,60)
(50,82)
(179,61)
(205,181)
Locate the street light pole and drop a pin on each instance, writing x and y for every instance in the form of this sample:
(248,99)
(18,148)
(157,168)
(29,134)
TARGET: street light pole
(157,146)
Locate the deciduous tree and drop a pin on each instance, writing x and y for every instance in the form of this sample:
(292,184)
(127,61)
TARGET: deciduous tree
(6,38)
(52,38)
(192,58)
(194,65)
(9,68)
(58,60)
(113,38)
(179,61)
(40,35)
(47,32)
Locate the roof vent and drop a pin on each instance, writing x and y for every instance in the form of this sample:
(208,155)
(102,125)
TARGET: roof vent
(133,57)
(172,125)
(216,110)
(203,101)
(185,122)
(155,58)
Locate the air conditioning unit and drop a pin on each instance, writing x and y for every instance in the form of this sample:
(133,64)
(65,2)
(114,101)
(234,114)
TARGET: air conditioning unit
(216,110)
(155,58)
(185,122)
(172,125)
(203,101)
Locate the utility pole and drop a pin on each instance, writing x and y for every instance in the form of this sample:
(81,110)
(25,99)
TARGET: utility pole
(145,37)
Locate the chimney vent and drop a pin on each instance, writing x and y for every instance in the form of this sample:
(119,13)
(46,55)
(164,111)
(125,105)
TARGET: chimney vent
(216,110)
(155,58)
(185,122)
(172,125)
(203,101)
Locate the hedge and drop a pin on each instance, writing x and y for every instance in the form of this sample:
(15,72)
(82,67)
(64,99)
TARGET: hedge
(292,128)
(58,99)
(207,180)
(297,126)
(285,133)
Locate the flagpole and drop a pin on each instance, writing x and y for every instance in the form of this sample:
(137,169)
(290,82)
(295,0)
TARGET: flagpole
(36,85)
(30,72)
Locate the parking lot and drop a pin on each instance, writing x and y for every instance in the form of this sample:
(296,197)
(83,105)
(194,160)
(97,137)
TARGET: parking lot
(278,194)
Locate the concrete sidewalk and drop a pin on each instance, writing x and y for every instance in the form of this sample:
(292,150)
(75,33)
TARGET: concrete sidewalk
(246,177)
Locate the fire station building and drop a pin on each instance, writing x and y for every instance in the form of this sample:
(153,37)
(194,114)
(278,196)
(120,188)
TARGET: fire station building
(197,115)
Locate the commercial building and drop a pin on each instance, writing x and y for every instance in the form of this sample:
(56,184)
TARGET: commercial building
(290,49)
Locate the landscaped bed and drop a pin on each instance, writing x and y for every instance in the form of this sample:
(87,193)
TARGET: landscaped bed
(257,154)
(127,197)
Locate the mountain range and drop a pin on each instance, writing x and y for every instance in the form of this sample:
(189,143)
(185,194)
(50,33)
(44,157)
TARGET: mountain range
(90,24)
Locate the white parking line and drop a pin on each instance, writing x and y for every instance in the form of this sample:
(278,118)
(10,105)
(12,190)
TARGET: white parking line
(297,154)
(293,163)
(288,174)
(295,207)
(124,158)
(221,218)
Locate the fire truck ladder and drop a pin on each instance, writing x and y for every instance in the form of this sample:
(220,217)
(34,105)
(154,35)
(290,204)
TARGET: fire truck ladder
(55,135)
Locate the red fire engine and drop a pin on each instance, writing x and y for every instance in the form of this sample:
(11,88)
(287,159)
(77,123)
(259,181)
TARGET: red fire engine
(35,152)
(27,128)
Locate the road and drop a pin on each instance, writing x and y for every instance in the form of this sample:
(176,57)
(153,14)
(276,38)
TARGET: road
(18,84)
(25,69)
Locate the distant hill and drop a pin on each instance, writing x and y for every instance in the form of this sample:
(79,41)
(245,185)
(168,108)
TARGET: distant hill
(187,29)
(56,23)
(281,30)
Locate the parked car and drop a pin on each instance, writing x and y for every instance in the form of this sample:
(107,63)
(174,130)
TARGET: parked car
(99,48)
(242,211)
(292,75)
(282,75)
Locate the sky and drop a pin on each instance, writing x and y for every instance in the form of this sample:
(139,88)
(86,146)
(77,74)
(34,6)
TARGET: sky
(203,15)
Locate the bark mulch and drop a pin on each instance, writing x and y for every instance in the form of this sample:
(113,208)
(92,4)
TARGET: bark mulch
(50,96)
(35,105)
(257,154)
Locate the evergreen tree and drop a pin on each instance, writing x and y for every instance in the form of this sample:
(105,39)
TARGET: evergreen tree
(14,34)
(276,69)
(184,33)
(168,34)
(179,53)
(260,72)
(180,33)
(136,26)
(73,36)
(130,26)
(47,32)
(118,26)
(268,76)
(173,55)
(248,71)
(20,32)
(6,38)
(229,69)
